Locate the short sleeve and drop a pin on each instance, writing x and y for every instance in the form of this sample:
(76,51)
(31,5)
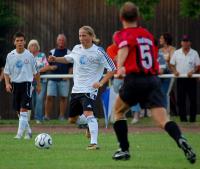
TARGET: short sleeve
(105,59)
(197,60)
(6,68)
(173,59)
(35,69)
(69,58)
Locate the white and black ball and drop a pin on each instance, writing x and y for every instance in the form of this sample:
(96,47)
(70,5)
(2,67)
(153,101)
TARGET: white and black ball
(43,141)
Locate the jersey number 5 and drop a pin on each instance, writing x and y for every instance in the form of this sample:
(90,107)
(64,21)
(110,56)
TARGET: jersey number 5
(146,56)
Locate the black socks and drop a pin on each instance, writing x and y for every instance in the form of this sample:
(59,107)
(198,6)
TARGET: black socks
(121,131)
(173,130)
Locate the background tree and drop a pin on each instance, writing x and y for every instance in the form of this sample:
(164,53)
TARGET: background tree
(147,7)
(8,20)
(190,8)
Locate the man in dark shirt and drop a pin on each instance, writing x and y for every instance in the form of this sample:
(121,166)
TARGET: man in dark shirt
(58,86)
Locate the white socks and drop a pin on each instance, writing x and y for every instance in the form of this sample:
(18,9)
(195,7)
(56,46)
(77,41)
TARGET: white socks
(81,119)
(23,123)
(93,128)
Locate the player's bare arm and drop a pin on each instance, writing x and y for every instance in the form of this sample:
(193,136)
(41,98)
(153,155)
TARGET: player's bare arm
(52,58)
(7,83)
(122,55)
(105,79)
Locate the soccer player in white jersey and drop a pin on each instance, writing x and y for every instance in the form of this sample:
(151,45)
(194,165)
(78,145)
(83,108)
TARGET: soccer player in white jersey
(19,71)
(89,62)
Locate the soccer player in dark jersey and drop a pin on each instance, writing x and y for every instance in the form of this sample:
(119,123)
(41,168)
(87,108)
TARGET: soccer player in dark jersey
(137,61)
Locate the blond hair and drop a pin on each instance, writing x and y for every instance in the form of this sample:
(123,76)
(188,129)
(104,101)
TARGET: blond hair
(34,42)
(91,32)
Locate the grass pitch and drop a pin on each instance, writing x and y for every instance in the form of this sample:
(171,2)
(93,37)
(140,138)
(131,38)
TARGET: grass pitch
(154,150)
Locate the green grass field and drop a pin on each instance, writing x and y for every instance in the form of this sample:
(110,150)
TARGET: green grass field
(154,150)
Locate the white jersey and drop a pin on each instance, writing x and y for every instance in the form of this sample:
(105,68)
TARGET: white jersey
(88,67)
(20,66)
(185,63)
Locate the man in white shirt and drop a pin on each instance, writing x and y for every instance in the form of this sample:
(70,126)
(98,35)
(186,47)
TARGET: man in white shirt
(186,61)
(19,71)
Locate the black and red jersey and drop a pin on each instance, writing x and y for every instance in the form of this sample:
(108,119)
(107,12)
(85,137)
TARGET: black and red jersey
(142,57)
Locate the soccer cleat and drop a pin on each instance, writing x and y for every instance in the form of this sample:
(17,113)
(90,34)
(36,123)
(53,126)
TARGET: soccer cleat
(121,155)
(189,153)
(87,133)
(93,147)
(28,136)
(17,137)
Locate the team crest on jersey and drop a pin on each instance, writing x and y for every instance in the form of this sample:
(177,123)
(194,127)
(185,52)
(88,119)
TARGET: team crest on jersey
(19,64)
(83,60)
(26,61)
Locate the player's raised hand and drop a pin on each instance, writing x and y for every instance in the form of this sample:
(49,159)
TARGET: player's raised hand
(51,58)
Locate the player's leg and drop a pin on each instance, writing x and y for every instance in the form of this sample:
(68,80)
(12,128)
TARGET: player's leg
(121,130)
(159,114)
(16,105)
(51,94)
(92,131)
(161,117)
(128,95)
(76,108)
(88,105)
(25,92)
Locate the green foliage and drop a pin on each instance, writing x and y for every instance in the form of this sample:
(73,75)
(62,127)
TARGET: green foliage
(8,20)
(7,17)
(147,7)
(190,8)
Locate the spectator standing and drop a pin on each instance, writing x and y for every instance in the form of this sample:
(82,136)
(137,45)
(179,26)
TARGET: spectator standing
(19,71)
(117,82)
(186,61)
(1,78)
(89,61)
(138,60)
(164,55)
(58,87)
(1,74)
(42,66)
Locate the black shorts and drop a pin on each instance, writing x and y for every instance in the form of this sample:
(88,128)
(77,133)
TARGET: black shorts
(79,103)
(143,89)
(22,93)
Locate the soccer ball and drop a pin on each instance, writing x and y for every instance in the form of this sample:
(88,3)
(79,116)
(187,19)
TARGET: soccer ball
(43,141)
